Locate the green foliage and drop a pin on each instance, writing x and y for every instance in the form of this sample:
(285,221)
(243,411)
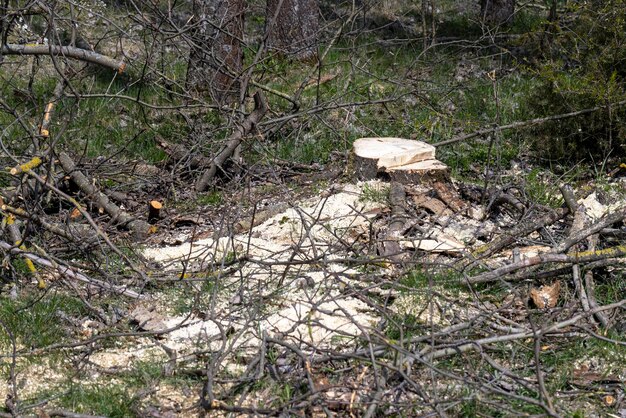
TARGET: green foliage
(212,198)
(105,400)
(542,187)
(420,279)
(374,194)
(35,322)
(584,68)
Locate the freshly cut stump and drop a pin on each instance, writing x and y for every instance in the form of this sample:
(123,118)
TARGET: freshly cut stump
(428,171)
(401,160)
(374,155)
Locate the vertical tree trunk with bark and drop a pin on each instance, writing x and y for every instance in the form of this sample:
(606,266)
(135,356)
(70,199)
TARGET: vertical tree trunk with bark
(497,11)
(292,27)
(216,57)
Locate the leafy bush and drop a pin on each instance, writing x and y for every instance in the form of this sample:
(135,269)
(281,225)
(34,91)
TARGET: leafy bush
(584,66)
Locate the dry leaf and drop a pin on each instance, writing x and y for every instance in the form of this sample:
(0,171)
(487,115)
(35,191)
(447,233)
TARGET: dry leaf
(75,213)
(546,296)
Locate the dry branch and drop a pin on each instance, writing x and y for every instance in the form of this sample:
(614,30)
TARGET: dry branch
(68,272)
(248,124)
(522,229)
(526,123)
(571,258)
(44,128)
(13,230)
(428,354)
(596,227)
(65,51)
(179,152)
(100,199)
(23,168)
(55,229)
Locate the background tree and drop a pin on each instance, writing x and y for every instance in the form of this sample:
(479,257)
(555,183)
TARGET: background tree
(497,11)
(292,27)
(216,55)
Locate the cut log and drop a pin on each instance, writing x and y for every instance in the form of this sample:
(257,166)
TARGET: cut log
(428,171)
(376,154)
(154,211)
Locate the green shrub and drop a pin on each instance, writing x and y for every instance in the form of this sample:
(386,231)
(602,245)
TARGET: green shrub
(584,66)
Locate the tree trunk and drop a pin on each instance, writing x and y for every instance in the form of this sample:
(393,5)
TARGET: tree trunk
(292,27)
(497,11)
(216,57)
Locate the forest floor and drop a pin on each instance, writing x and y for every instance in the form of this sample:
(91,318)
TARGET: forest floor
(275,292)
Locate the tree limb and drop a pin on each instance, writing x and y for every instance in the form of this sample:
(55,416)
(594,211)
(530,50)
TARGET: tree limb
(260,109)
(100,199)
(525,123)
(68,272)
(65,51)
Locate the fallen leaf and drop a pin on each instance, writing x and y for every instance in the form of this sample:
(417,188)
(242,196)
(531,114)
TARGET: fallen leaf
(75,213)
(546,296)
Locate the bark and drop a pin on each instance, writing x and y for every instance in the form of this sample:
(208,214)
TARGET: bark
(292,27)
(497,12)
(390,247)
(216,57)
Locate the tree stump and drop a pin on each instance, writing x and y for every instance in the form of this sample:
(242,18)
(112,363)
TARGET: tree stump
(403,160)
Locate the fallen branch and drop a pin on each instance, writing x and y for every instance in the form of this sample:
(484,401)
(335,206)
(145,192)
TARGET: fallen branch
(526,123)
(571,258)
(23,168)
(180,153)
(44,128)
(100,199)
(68,272)
(598,226)
(65,51)
(522,229)
(55,229)
(16,237)
(428,354)
(248,124)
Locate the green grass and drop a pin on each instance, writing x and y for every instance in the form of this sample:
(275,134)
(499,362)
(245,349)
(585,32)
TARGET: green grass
(375,194)
(113,400)
(420,279)
(35,322)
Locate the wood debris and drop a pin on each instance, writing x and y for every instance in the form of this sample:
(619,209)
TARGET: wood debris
(546,296)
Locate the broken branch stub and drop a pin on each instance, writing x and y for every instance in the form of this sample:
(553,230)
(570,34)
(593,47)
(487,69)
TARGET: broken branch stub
(401,160)
(154,210)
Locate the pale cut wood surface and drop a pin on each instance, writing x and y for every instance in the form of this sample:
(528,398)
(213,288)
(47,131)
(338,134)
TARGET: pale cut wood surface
(393,152)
